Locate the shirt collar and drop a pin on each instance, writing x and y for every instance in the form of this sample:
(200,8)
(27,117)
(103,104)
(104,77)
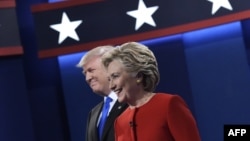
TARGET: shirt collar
(112,95)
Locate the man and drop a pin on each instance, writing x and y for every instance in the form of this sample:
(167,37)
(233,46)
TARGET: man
(96,77)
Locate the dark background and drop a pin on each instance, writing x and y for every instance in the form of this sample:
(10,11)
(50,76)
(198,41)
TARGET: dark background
(48,100)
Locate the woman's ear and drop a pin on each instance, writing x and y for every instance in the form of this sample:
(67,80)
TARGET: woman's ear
(139,77)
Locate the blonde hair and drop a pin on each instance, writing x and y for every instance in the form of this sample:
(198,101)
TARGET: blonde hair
(137,60)
(96,52)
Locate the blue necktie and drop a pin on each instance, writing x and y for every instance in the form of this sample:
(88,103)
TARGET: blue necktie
(105,110)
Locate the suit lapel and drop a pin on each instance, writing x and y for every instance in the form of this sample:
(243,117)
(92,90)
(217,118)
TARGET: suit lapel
(117,109)
(93,121)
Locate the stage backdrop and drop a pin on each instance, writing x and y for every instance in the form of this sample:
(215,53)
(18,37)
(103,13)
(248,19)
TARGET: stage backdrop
(207,67)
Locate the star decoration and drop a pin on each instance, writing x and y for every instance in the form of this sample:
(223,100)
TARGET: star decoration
(66,28)
(143,15)
(217,4)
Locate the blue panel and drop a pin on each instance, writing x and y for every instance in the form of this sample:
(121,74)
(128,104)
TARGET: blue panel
(15,117)
(161,39)
(246,33)
(212,34)
(52,1)
(70,60)
(47,113)
(219,78)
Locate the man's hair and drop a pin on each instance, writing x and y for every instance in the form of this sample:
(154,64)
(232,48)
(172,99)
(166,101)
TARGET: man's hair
(95,52)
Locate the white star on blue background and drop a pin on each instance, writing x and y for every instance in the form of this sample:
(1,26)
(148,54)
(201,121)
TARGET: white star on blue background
(66,28)
(143,15)
(217,4)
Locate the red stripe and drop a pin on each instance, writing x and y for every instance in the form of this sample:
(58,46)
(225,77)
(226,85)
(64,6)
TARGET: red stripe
(7,51)
(58,5)
(7,3)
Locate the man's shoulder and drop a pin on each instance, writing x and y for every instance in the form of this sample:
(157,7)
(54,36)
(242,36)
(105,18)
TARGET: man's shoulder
(96,107)
(118,107)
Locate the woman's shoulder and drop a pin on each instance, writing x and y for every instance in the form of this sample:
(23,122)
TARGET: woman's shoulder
(166,96)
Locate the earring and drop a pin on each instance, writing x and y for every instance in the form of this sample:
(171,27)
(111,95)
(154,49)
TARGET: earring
(138,81)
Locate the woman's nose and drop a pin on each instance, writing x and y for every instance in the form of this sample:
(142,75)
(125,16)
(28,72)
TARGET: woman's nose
(111,85)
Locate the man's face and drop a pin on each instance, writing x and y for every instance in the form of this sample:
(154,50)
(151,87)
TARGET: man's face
(96,76)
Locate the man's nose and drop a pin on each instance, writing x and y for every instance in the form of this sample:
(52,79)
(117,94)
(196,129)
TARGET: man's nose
(88,77)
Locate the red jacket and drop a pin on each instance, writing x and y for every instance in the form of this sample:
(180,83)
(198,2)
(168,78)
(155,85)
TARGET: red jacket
(165,117)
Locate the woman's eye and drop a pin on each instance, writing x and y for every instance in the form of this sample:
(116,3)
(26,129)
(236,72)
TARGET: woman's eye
(114,76)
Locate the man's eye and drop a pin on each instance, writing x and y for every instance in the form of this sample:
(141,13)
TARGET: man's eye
(91,70)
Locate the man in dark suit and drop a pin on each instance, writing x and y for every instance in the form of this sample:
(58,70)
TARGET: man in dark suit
(96,77)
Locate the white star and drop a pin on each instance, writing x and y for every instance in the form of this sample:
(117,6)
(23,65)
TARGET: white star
(66,28)
(143,15)
(220,3)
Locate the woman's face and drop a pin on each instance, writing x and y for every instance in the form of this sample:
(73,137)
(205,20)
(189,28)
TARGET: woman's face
(121,82)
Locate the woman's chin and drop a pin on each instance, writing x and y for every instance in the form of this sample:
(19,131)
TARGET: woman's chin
(121,100)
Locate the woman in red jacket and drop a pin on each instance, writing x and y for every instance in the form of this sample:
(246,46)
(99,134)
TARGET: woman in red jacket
(133,75)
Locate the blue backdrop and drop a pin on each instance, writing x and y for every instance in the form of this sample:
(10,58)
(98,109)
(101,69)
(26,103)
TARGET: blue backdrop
(48,100)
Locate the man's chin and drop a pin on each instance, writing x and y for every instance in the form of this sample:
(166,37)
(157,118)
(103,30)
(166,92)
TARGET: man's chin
(98,92)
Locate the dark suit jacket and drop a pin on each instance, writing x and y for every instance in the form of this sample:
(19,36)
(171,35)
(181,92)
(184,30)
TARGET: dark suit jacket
(108,131)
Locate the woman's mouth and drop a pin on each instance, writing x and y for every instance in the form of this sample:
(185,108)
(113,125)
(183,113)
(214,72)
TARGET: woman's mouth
(117,91)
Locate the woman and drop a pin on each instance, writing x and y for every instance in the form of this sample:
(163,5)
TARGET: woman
(133,75)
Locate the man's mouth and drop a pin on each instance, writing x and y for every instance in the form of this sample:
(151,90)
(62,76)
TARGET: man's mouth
(92,84)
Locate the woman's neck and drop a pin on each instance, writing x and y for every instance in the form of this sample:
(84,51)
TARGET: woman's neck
(141,99)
